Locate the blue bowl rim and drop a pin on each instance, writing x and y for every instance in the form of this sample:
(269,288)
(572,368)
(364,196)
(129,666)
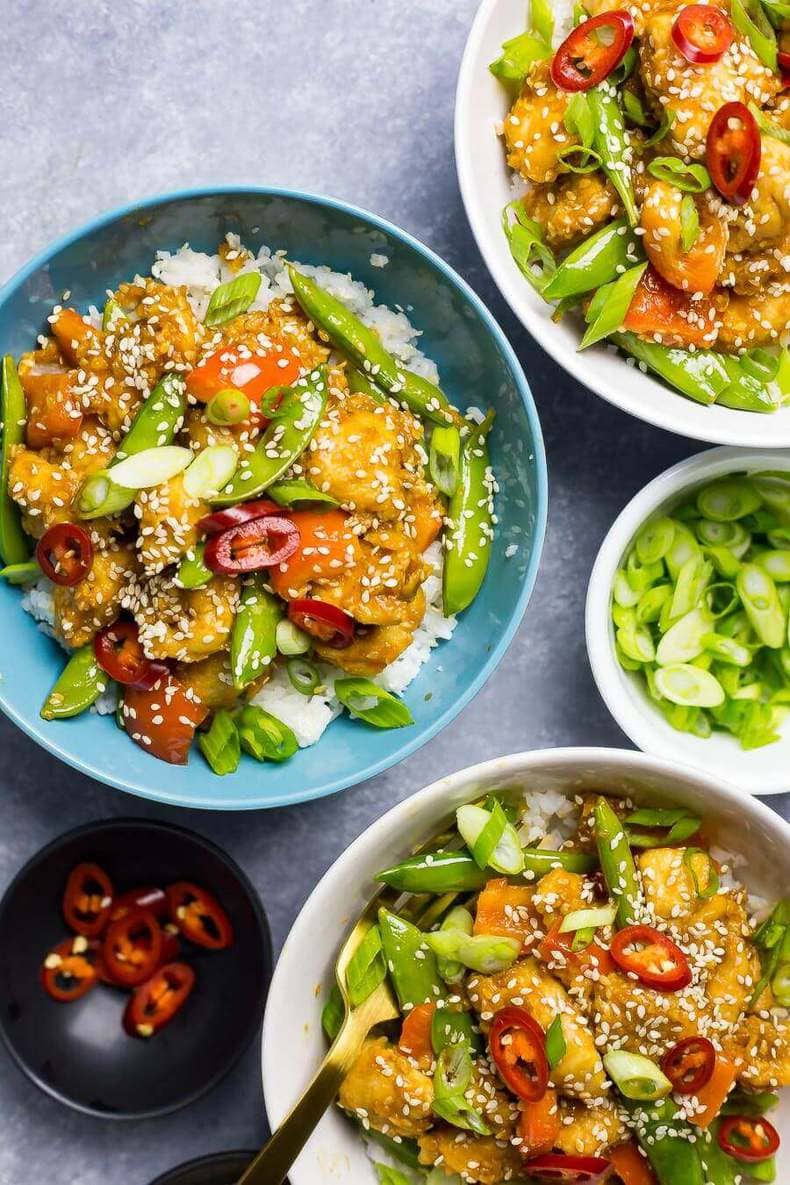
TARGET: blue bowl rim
(333,786)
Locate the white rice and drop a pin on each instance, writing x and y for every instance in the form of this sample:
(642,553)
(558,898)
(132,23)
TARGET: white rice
(201,274)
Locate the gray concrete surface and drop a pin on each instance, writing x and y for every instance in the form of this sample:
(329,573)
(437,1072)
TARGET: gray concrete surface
(104,102)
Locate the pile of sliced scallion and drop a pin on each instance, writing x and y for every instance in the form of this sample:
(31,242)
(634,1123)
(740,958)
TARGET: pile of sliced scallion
(700,608)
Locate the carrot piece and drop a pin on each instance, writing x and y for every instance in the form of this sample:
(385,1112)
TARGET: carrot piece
(52,411)
(556,949)
(415,1036)
(715,1091)
(427,523)
(630,1165)
(657,308)
(539,1124)
(71,332)
(326,548)
(502,910)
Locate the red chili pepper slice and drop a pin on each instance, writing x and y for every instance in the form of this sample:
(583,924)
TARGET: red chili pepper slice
(783,59)
(689,1064)
(199,916)
(119,652)
(518,1047)
(132,948)
(149,897)
(732,152)
(65,554)
(71,969)
(702,33)
(321,620)
(653,957)
(234,516)
(260,543)
(87,900)
(556,1166)
(748,1138)
(592,50)
(155,1003)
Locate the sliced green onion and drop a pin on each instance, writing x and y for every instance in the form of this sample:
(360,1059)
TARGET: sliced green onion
(461,919)
(111,317)
(365,700)
(749,19)
(689,222)
(663,129)
(541,20)
(294,490)
(625,69)
(612,314)
(303,675)
(652,602)
(729,499)
(210,471)
(683,547)
(449,1028)
(100,496)
(574,158)
(688,178)
(366,968)
(486,953)
(636,643)
(265,737)
(727,650)
(588,919)
(732,535)
(689,686)
(780,985)
(762,604)
(535,260)
(220,745)
(776,564)
(713,882)
(691,584)
(492,840)
(624,595)
(634,110)
(151,467)
(677,824)
(333,1014)
(682,642)
(582,939)
(23,573)
(579,119)
(233,298)
(556,1046)
(636,1076)
(654,540)
(774,489)
(445,458)
(290,639)
(518,55)
(451,1080)
(228,407)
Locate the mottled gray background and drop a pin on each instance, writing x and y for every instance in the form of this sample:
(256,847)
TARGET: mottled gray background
(104,102)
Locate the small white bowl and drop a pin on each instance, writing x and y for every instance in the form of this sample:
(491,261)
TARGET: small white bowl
(758,771)
(487,186)
(293,1044)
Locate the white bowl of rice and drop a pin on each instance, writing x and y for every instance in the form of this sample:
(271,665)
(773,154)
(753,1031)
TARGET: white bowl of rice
(751,840)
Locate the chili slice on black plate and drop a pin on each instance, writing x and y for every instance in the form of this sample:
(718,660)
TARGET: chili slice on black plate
(133,948)
(156,1002)
(199,916)
(71,969)
(87,900)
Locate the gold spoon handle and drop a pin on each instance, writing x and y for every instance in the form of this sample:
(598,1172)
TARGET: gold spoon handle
(272,1163)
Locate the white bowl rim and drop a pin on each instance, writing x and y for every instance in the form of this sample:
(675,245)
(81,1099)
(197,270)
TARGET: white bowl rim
(605,668)
(629,760)
(667,409)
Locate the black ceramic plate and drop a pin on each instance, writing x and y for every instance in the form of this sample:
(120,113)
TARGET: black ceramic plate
(223,1168)
(79,1052)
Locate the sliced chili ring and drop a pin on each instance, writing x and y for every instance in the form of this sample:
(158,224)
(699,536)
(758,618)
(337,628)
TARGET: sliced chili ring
(518,1047)
(732,152)
(65,554)
(748,1137)
(321,620)
(652,957)
(592,50)
(234,516)
(132,948)
(149,897)
(158,1000)
(71,969)
(260,543)
(199,916)
(702,33)
(556,1166)
(87,900)
(119,652)
(689,1065)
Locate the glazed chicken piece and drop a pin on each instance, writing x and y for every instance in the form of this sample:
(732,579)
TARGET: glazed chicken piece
(573,208)
(85,608)
(763,222)
(693,94)
(482,1159)
(282,327)
(695,270)
(528,984)
(379,645)
(557,894)
(209,680)
(167,524)
(387,1091)
(534,130)
(183,624)
(587,1131)
(764,1047)
(750,321)
(53,409)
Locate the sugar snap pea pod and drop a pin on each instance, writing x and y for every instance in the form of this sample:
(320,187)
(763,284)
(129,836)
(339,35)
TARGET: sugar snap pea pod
(543,860)
(14,546)
(365,350)
(597,261)
(435,872)
(283,442)
(80,684)
(744,392)
(611,143)
(265,737)
(221,746)
(457,919)
(253,642)
(445,458)
(701,376)
(294,490)
(192,571)
(411,964)
(611,314)
(672,1157)
(360,384)
(617,863)
(469,529)
(22,573)
(762,604)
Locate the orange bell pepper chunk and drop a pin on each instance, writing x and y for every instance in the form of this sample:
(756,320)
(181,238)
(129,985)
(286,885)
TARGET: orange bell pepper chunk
(657,308)
(71,332)
(327,547)
(52,411)
(254,375)
(630,1165)
(428,520)
(712,1095)
(501,911)
(539,1124)
(415,1036)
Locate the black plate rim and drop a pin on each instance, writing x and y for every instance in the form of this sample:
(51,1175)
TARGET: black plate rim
(210,1160)
(256,1017)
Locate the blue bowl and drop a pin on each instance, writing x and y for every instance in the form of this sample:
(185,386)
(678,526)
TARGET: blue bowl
(477,366)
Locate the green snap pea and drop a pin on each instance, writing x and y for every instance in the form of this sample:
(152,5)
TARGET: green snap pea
(617,863)
(366,968)
(610,315)
(762,605)
(486,953)
(23,573)
(360,384)
(449,1028)
(79,685)
(253,644)
(283,442)
(435,872)
(365,350)
(534,259)
(445,459)
(673,1158)
(599,260)
(333,1014)
(411,964)
(543,860)
(750,19)
(221,746)
(457,919)
(611,144)
(469,529)
(192,571)
(294,491)
(700,376)
(14,547)
(365,700)
(743,392)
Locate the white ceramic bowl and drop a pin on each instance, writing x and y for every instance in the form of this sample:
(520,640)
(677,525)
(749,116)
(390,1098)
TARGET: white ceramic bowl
(759,771)
(293,1044)
(487,187)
